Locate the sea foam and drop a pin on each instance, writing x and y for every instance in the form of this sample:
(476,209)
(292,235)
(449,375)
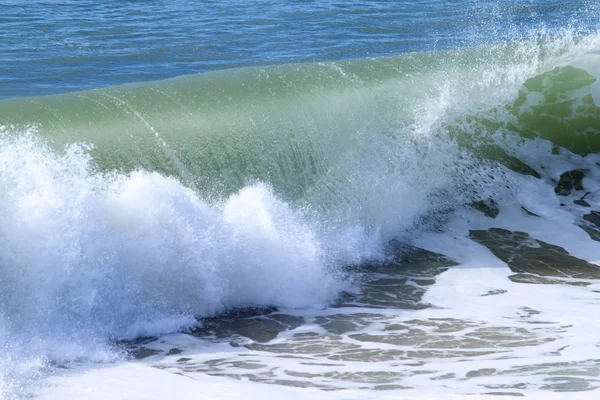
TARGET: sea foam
(87,258)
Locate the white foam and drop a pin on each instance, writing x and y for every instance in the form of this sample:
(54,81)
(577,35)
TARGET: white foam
(88,257)
(139,382)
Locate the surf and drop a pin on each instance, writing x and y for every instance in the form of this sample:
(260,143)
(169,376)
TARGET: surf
(140,209)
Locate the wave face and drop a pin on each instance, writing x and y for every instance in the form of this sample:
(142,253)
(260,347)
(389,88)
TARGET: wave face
(323,133)
(132,210)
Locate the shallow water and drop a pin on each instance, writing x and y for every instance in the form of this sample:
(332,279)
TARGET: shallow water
(389,337)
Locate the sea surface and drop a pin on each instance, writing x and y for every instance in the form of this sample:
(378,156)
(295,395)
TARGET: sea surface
(299,199)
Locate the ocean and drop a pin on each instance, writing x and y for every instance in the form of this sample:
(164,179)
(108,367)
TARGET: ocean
(303,199)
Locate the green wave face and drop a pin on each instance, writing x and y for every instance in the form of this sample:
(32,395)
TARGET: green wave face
(287,125)
(558,106)
(326,133)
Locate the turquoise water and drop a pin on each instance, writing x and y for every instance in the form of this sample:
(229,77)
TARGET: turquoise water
(49,47)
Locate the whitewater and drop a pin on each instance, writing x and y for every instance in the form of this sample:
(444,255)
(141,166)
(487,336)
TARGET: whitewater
(425,225)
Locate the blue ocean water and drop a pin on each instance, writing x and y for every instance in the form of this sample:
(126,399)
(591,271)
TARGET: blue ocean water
(58,46)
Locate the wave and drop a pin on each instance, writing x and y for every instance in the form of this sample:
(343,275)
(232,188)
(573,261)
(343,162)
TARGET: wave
(133,210)
(303,127)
